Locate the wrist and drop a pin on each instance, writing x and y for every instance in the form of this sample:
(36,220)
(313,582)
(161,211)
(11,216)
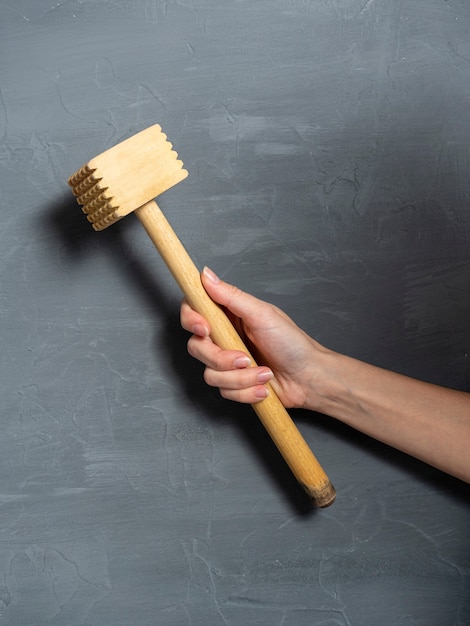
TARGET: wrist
(327,389)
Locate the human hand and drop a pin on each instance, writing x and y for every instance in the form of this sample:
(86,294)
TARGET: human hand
(286,354)
(423,420)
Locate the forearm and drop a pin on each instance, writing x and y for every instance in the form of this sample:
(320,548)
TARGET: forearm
(429,422)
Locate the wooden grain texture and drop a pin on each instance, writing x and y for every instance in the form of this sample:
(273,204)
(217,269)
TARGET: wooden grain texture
(117,181)
(128,176)
(271,412)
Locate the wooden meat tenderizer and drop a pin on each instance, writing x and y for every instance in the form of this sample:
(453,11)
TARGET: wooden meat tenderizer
(127,178)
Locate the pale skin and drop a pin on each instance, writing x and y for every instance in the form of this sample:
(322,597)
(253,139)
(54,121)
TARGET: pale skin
(429,422)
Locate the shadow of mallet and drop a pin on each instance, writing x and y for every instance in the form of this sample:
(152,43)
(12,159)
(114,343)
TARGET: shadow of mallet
(127,178)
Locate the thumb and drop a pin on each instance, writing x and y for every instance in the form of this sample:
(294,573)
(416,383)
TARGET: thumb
(240,303)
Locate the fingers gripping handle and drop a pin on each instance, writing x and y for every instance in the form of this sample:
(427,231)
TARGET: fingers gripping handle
(270,411)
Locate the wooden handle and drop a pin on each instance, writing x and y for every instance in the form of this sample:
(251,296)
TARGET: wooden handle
(270,411)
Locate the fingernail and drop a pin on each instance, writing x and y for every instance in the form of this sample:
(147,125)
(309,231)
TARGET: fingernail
(265,377)
(241,362)
(261,393)
(200,330)
(209,274)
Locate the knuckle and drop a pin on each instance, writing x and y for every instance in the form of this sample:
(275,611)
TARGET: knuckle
(209,377)
(185,312)
(233,292)
(191,347)
(226,394)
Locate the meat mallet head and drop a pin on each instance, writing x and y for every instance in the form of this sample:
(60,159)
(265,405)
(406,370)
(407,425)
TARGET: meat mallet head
(125,177)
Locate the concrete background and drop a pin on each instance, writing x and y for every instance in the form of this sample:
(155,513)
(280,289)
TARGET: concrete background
(328,149)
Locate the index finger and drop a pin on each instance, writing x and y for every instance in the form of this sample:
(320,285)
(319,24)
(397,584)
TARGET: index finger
(192,321)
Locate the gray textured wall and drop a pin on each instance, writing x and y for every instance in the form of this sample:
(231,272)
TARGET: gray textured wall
(328,147)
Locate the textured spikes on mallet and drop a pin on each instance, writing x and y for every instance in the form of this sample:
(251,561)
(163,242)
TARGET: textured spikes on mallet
(127,178)
(118,181)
